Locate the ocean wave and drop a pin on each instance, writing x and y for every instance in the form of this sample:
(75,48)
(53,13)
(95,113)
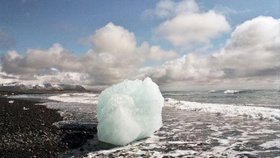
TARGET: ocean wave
(86,98)
(28,96)
(227,109)
(270,144)
(230,91)
(213,91)
(215,138)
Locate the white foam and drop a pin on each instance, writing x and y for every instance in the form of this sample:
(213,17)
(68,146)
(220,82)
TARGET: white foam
(264,131)
(132,148)
(170,135)
(270,144)
(212,91)
(86,98)
(177,153)
(230,91)
(227,109)
(29,96)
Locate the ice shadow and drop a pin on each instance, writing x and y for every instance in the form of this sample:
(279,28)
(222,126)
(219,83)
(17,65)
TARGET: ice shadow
(80,139)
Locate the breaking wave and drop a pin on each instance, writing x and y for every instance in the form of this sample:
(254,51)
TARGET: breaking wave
(223,109)
(226,109)
(86,98)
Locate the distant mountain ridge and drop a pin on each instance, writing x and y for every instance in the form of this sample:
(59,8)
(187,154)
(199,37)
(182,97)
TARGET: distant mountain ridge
(16,86)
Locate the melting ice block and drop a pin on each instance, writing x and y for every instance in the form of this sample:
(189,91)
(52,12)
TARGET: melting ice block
(129,111)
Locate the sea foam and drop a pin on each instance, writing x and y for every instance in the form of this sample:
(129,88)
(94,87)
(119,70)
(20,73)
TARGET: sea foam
(86,98)
(227,109)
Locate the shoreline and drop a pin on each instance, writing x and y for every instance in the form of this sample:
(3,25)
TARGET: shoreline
(27,130)
(188,130)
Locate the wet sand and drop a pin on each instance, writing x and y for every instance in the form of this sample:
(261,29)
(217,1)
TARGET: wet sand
(27,130)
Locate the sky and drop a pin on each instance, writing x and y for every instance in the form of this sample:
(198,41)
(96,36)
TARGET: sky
(188,44)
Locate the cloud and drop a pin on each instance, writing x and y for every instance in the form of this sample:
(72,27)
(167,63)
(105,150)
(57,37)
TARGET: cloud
(120,41)
(156,53)
(114,55)
(6,41)
(186,25)
(64,77)
(169,8)
(253,48)
(189,68)
(7,78)
(35,61)
(251,53)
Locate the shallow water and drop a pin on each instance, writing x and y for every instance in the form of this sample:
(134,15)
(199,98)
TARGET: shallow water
(267,98)
(188,133)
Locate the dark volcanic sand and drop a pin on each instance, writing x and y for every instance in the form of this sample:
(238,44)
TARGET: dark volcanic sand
(26,130)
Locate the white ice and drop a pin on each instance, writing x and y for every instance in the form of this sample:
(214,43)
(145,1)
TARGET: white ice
(129,111)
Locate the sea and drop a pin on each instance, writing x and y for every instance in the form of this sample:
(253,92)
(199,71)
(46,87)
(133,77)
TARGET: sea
(263,98)
(216,123)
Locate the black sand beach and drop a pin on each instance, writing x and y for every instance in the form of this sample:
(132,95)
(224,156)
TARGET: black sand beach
(26,130)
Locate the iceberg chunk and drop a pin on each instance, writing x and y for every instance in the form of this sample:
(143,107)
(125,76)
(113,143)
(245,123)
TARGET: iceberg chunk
(129,111)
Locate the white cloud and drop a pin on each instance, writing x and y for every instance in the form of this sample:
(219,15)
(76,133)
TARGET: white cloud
(7,78)
(251,53)
(63,77)
(156,53)
(37,60)
(114,39)
(169,8)
(187,25)
(114,56)
(253,48)
(188,68)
